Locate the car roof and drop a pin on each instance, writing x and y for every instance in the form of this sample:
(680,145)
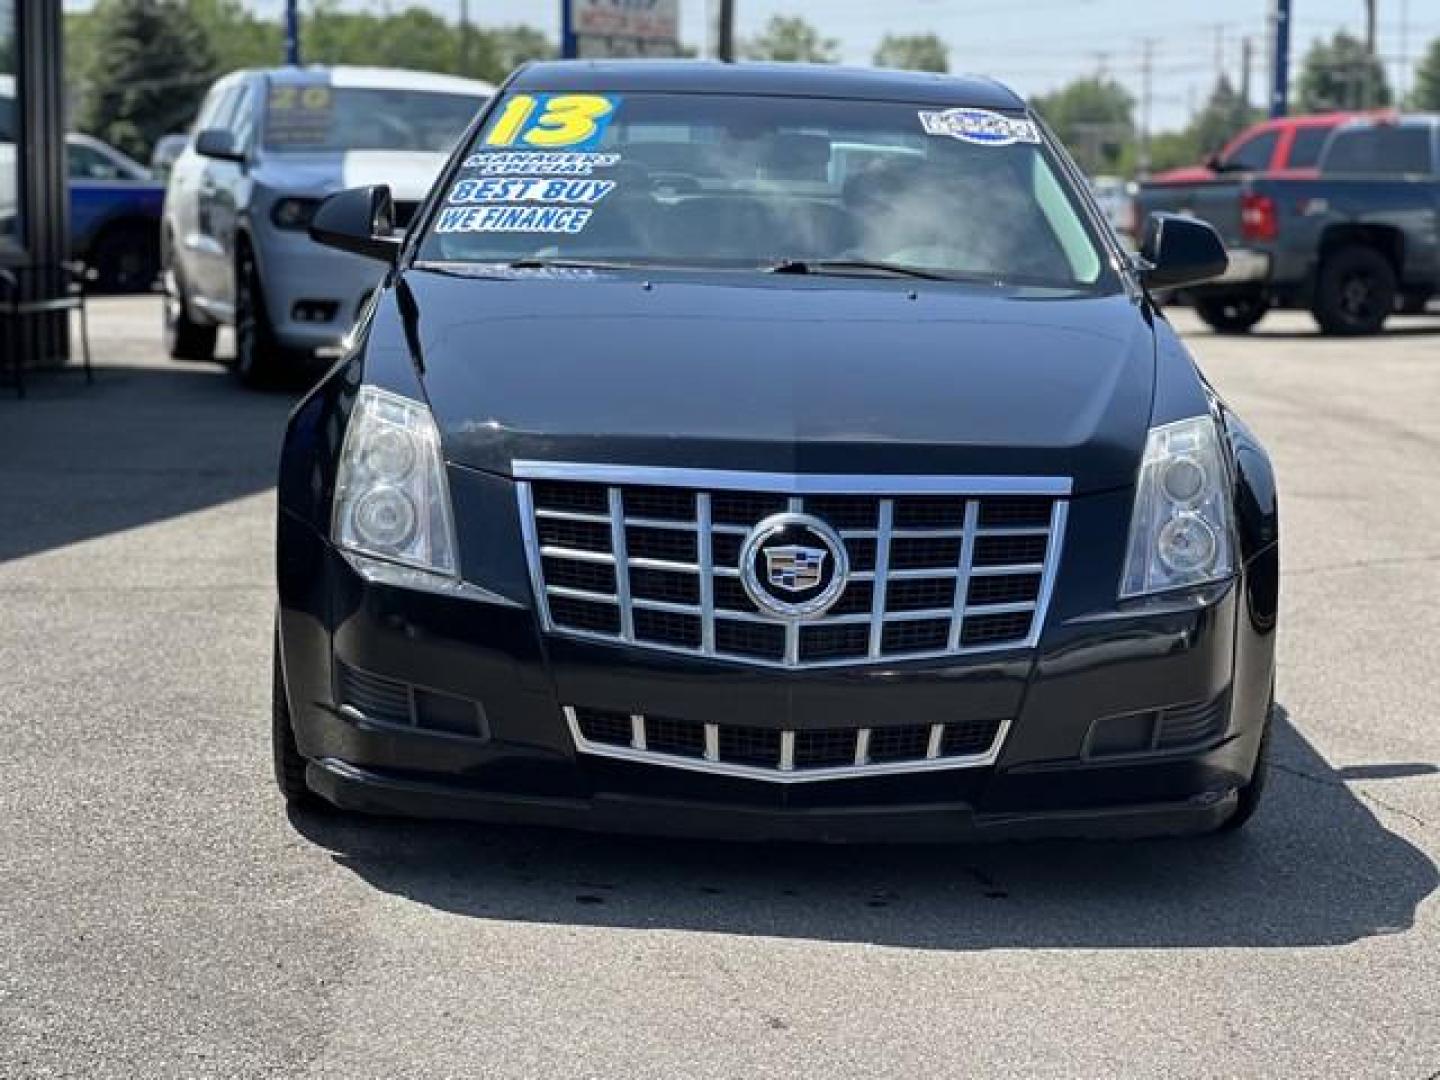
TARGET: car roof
(380,78)
(788,80)
(1391,120)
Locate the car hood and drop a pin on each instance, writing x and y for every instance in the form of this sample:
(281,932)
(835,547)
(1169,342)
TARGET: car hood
(813,375)
(409,173)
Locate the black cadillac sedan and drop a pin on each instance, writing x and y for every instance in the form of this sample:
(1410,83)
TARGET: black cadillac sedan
(772,452)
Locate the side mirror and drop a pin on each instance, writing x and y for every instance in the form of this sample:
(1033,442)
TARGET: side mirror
(360,221)
(219,144)
(1178,250)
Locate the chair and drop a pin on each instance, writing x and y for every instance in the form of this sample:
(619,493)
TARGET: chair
(21,299)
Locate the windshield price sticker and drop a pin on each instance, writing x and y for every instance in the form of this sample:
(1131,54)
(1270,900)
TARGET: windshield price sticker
(530,189)
(513,219)
(500,163)
(299,114)
(546,121)
(979,126)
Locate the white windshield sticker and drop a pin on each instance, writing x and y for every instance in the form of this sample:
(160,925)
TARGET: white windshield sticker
(532,163)
(513,219)
(530,189)
(979,126)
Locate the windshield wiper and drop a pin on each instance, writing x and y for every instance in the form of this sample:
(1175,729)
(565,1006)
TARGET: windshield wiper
(844,266)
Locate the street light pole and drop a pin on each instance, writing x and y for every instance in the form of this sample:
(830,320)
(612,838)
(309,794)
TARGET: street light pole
(292,32)
(1280,65)
(727,30)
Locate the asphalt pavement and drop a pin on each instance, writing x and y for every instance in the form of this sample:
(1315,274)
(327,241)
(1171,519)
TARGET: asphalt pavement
(162,916)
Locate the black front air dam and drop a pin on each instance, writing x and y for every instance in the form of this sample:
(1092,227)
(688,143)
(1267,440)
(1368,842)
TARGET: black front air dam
(356,789)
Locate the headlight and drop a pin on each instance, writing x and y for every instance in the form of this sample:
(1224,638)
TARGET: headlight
(391,501)
(294,214)
(1180,528)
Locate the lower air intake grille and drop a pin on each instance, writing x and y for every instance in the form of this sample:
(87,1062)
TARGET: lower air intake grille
(388,701)
(784,755)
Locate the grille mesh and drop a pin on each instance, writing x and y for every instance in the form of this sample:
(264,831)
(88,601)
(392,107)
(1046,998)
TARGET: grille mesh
(931,574)
(779,752)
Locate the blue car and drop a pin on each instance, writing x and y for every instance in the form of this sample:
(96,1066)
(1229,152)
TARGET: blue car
(115,206)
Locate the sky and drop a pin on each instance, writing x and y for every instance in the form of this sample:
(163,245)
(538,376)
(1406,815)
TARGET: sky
(1036,45)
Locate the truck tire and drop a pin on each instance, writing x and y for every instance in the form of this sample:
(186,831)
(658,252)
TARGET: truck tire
(185,339)
(1232,313)
(125,258)
(1354,292)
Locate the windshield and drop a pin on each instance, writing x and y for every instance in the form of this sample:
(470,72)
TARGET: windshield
(316,117)
(718,180)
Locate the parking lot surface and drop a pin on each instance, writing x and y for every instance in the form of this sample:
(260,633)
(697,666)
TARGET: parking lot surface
(162,916)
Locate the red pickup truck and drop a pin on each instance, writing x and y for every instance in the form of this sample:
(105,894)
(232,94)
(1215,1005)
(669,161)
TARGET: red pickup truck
(1288,146)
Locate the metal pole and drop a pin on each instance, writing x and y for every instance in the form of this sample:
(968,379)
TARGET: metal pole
(727,31)
(464,37)
(292,32)
(1280,89)
(1245,72)
(1147,46)
(1367,89)
(568,48)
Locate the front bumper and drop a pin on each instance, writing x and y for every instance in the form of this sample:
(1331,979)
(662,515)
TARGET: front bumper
(367,791)
(1246,267)
(520,763)
(313,294)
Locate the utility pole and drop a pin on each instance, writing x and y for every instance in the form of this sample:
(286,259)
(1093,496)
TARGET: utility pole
(726,36)
(1280,65)
(1147,47)
(465,37)
(1367,88)
(1402,89)
(1245,71)
(292,32)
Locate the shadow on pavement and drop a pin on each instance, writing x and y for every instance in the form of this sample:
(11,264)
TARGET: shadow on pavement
(140,445)
(1314,868)
(1392,329)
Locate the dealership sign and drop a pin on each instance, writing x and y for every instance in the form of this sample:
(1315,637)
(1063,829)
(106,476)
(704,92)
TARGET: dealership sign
(599,28)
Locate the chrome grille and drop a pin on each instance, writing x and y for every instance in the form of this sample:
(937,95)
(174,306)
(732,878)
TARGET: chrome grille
(784,755)
(650,557)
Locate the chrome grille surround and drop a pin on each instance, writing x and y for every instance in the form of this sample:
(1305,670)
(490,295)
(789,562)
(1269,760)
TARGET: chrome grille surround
(780,759)
(715,627)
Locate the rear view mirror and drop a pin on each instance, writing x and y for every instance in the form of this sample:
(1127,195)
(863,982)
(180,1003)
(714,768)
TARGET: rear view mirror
(219,144)
(360,221)
(1177,251)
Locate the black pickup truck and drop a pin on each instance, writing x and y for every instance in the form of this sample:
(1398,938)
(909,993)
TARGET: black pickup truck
(1352,244)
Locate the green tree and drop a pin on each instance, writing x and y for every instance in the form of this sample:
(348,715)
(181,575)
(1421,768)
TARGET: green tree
(238,38)
(1342,74)
(1172,149)
(1094,117)
(1225,114)
(1426,95)
(513,46)
(913,52)
(792,39)
(410,38)
(157,65)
